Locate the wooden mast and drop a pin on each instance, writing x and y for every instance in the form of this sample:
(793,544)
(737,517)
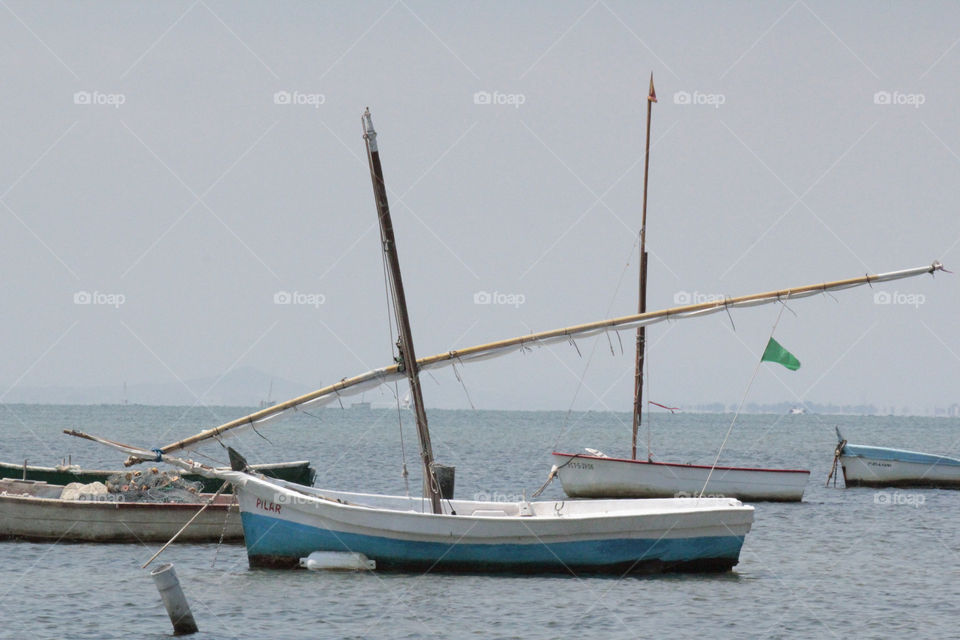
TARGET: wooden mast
(408,358)
(642,307)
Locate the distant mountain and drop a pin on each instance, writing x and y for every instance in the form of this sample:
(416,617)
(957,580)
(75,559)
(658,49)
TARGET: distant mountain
(243,387)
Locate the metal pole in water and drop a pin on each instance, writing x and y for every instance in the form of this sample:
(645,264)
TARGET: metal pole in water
(173,599)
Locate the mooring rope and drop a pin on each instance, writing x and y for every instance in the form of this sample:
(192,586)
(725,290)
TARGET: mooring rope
(740,406)
(553,474)
(189,522)
(836,460)
(223,531)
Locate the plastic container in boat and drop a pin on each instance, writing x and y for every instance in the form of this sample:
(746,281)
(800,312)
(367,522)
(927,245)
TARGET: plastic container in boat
(337,561)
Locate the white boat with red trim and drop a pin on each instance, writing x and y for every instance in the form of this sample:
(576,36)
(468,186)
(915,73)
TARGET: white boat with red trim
(598,476)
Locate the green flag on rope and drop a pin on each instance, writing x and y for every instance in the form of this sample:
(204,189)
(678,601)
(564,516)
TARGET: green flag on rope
(776,353)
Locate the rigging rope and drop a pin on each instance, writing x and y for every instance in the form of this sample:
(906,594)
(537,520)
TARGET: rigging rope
(216,462)
(740,406)
(466,391)
(646,363)
(388,290)
(593,350)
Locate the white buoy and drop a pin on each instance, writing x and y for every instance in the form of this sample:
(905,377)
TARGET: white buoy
(337,561)
(173,599)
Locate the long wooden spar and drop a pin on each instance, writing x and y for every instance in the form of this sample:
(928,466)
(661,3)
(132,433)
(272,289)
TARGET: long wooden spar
(377,377)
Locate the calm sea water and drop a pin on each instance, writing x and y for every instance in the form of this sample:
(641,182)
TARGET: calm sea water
(857,563)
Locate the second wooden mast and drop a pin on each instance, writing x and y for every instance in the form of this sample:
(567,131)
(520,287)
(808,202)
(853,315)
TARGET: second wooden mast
(408,358)
(642,306)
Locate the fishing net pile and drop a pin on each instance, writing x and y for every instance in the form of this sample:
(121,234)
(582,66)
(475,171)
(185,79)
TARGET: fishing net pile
(153,485)
(80,491)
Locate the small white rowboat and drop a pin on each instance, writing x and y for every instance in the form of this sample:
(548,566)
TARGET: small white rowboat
(591,476)
(34,511)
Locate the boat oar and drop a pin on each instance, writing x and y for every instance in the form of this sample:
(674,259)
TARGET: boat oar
(184,527)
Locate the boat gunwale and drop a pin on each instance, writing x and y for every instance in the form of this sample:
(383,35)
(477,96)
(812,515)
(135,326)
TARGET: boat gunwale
(694,507)
(116,504)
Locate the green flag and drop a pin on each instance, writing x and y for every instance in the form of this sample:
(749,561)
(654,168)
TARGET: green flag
(775,353)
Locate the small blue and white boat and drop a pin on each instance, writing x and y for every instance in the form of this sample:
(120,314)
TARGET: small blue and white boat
(284,522)
(865,466)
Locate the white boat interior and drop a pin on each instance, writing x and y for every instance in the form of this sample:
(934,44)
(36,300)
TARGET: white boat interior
(539,509)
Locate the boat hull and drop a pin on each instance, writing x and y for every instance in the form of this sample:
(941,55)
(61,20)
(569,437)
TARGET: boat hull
(586,476)
(619,537)
(299,472)
(884,467)
(38,519)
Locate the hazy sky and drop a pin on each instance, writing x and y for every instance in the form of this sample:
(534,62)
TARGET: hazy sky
(179,165)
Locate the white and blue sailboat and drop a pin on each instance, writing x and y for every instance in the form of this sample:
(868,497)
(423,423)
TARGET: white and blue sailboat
(283,523)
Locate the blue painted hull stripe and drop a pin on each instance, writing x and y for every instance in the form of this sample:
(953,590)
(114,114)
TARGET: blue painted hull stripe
(899,455)
(275,538)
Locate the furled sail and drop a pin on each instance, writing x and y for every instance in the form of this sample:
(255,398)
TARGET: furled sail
(377,377)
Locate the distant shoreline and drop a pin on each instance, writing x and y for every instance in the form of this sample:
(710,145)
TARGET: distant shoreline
(776,410)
